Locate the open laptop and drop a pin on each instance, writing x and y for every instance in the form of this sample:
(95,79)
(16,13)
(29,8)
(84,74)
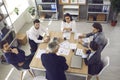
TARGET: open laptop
(76,62)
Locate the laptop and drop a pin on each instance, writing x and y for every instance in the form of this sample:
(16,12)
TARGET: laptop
(76,62)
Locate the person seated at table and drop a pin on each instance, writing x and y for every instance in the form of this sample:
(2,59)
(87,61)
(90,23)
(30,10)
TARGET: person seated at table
(93,60)
(35,35)
(55,65)
(15,56)
(98,36)
(68,24)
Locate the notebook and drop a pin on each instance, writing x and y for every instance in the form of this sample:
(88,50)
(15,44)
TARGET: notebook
(76,62)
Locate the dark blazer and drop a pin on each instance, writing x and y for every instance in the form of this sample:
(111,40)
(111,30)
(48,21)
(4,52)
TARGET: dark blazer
(14,59)
(94,64)
(99,39)
(55,66)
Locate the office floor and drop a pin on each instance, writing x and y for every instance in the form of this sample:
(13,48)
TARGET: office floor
(113,51)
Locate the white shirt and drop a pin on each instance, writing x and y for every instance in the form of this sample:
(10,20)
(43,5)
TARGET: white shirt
(71,25)
(33,34)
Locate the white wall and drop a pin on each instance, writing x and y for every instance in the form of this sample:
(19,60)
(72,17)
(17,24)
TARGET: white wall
(31,2)
(21,21)
(23,18)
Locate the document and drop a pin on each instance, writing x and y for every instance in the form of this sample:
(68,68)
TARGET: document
(67,35)
(65,44)
(86,40)
(80,53)
(73,46)
(63,51)
(40,52)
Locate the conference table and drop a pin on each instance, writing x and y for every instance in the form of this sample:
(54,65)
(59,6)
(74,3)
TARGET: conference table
(37,64)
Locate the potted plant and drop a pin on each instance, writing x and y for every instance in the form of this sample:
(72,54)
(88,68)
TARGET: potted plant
(115,5)
(16,10)
(31,10)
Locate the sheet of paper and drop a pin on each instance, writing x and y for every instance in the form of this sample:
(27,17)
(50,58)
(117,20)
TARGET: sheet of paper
(73,46)
(40,52)
(66,35)
(77,35)
(80,52)
(84,55)
(86,40)
(63,51)
(65,44)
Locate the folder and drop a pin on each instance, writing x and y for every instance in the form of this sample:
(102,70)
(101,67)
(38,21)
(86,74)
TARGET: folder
(76,62)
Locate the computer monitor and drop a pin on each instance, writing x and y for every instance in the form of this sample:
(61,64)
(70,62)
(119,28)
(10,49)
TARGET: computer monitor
(48,0)
(53,7)
(49,7)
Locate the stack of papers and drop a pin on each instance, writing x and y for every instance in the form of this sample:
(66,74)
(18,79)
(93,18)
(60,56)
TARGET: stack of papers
(66,44)
(39,53)
(80,53)
(64,48)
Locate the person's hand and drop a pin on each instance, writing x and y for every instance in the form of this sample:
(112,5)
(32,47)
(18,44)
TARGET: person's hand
(80,41)
(14,50)
(85,50)
(67,29)
(47,39)
(20,64)
(81,36)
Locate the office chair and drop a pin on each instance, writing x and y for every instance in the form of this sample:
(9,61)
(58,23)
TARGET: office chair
(108,42)
(23,71)
(106,61)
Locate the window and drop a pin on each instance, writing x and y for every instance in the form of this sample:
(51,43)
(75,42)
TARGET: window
(22,5)
(3,9)
(0,1)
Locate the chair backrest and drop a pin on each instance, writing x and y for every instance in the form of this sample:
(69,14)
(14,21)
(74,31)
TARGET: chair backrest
(106,61)
(27,35)
(108,41)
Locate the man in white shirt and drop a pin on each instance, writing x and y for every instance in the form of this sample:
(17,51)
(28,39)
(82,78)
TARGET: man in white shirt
(35,35)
